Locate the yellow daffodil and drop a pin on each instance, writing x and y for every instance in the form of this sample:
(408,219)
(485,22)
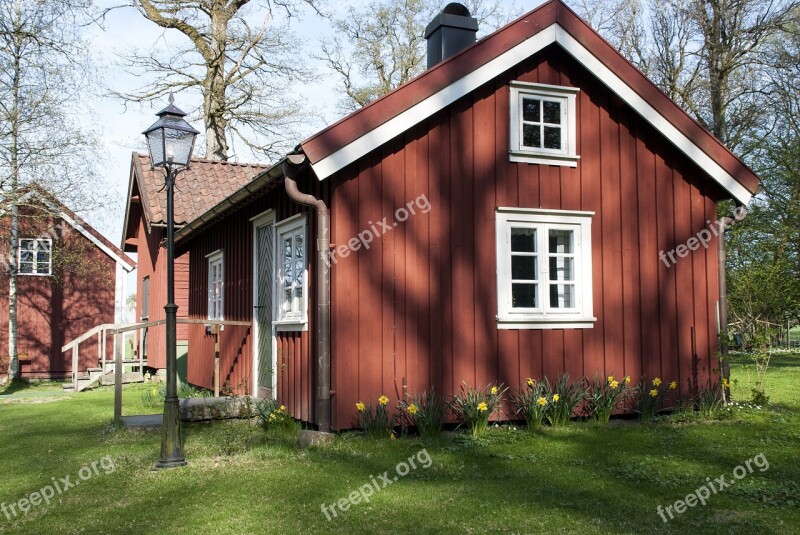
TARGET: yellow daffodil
(412,409)
(360,407)
(391,436)
(542,401)
(556,397)
(155,391)
(656,382)
(383,400)
(653,393)
(482,407)
(494,390)
(614,384)
(529,381)
(673,385)
(627,379)
(610,378)
(283,408)
(725,383)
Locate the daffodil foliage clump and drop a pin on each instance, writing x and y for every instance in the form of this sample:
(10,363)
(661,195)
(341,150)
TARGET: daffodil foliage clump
(563,397)
(605,395)
(649,395)
(530,402)
(273,415)
(425,412)
(472,406)
(376,422)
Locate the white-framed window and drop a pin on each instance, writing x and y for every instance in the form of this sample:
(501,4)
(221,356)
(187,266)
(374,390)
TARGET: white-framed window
(35,256)
(542,124)
(216,285)
(544,269)
(292,274)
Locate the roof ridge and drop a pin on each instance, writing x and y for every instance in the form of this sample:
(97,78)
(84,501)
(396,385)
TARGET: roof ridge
(220,162)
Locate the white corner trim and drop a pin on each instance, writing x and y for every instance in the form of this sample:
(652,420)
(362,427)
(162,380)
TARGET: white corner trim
(471,81)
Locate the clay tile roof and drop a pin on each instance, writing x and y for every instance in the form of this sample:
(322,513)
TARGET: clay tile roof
(197,189)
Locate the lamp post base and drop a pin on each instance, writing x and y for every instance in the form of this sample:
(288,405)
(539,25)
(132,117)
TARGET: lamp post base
(172,441)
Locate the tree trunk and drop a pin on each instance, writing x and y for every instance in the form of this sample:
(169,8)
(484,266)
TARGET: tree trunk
(13,354)
(214,98)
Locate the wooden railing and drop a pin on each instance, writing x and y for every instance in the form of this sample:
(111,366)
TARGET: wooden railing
(118,330)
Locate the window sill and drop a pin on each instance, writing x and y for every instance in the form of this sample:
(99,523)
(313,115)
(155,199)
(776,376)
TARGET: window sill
(290,325)
(564,160)
(545,322)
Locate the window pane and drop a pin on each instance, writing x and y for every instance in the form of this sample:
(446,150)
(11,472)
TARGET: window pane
(523,240)
(552,137)
(562,268)
(523,268)
(532,136)
(286,306)
(552,112)
(562,295)
(530,110)
(560,241)
(523,295)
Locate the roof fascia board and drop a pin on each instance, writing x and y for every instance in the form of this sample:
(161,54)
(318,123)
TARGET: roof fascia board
(127,266)
(652,116)
(554,33)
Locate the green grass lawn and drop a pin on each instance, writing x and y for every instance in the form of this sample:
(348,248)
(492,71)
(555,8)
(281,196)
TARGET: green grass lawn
(584,478)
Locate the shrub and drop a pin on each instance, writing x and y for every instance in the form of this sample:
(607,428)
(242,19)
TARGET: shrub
(530,402)
(376,422)
(563,398)
(426,412)
(648,395)
(474,405)
(604,396)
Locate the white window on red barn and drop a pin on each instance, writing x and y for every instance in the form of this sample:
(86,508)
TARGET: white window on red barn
(542,123)
(544,269)
(35,256)
(216,286)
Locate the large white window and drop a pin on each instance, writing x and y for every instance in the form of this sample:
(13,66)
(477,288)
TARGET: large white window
(216,286)
(542,124)
(544,269)
(35,256)
(292,279)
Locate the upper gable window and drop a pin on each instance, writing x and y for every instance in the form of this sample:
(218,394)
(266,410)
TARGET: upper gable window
(542,122)
(35,256)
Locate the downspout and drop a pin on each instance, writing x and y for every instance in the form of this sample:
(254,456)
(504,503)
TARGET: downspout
(291,167)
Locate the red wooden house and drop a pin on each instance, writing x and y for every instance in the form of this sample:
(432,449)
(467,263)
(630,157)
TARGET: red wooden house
(197,189)
(499,217)
(69,279)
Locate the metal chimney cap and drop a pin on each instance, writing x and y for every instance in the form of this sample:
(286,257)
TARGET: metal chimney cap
(454,8)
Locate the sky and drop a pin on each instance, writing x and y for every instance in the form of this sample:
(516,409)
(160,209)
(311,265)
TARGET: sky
(120,133)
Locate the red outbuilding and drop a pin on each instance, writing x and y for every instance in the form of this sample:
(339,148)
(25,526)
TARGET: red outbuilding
(197,189)
(506,214)
(69,279)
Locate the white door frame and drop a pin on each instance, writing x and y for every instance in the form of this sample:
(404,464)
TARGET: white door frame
(262,219)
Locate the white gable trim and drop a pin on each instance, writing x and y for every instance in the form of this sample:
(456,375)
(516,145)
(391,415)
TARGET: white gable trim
(483,74)
(127,266)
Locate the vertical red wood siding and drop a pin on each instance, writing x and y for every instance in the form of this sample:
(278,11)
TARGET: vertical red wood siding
(51,311)
(234,236)
(419,305)
(152,263)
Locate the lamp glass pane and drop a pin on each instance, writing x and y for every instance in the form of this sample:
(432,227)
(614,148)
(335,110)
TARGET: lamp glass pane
(155,145)
(179,146)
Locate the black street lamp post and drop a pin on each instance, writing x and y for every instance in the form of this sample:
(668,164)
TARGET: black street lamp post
(170,141)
